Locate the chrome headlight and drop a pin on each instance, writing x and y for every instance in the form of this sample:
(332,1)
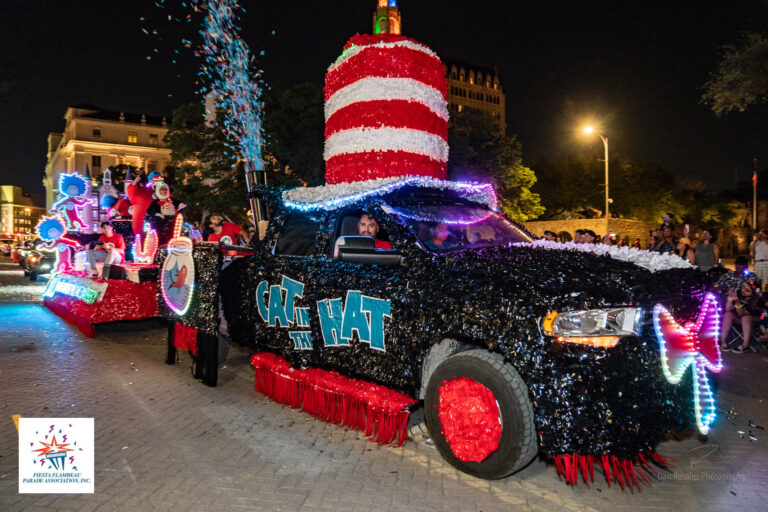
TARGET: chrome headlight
(599,327)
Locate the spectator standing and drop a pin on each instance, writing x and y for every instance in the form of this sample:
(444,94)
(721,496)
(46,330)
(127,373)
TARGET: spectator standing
(550,235)
(588,237)
(684,249)
(667,244)
(666,221)
(578,236)
(707,253)
(760,255)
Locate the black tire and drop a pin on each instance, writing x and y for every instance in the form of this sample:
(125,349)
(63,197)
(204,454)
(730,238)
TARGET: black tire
(518,443)
(26,273)
(33,276)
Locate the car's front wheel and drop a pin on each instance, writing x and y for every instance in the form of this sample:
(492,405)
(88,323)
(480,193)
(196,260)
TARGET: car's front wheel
(479,415)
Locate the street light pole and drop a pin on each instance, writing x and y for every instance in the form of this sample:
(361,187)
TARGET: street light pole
(607,198)
(590,130)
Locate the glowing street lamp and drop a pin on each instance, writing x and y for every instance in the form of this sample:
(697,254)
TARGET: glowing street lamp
(590,130)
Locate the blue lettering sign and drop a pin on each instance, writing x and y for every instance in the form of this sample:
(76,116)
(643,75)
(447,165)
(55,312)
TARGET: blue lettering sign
(293,289)
(339,320)
(302,340)
(276,309)
(377,310)
(354,318)
(302,317)
(331,316)
(262,290)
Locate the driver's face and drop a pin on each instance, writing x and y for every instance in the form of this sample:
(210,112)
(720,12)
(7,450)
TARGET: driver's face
(367,226)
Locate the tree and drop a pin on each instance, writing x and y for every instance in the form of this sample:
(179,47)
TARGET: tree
(570,186)
(741,78)
(293,126)
(573,186)
(481,152)
(205,173)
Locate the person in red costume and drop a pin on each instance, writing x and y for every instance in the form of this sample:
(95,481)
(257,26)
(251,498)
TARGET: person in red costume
(110,248)
(369,226)
(141,198)
(222,231)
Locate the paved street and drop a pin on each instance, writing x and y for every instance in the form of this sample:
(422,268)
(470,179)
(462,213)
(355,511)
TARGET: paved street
(166,442)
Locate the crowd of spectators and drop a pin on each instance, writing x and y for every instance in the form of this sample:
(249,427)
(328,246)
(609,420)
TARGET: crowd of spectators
(740,291)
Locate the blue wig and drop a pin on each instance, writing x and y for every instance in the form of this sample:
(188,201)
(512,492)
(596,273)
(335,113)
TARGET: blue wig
(67,180)
(108,201)
(47,224)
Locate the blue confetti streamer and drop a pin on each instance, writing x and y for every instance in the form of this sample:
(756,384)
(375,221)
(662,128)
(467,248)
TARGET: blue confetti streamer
(227,72)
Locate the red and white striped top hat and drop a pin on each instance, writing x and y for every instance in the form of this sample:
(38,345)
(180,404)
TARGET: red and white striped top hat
(386,113)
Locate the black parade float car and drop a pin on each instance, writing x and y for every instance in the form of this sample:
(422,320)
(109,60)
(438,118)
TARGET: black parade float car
(514,347)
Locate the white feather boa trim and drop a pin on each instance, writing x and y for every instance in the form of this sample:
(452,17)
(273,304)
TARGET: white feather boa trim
(358,48)
(378,88)
(362,140)
(329,197)
(652,261)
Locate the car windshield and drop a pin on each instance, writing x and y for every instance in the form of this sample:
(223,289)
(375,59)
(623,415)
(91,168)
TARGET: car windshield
(450,227)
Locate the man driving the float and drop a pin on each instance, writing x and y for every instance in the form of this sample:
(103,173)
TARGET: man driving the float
(369,226)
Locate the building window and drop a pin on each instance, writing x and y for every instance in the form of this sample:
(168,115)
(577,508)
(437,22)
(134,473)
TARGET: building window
(97,132)
(153,139)
(96,162)
(133,138)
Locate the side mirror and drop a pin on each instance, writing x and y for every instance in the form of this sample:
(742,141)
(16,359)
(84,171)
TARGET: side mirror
(362,249)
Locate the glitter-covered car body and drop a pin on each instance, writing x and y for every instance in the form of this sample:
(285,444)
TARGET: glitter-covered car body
(586,399)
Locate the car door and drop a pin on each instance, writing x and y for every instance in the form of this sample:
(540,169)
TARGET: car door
(361,311)
(282,306)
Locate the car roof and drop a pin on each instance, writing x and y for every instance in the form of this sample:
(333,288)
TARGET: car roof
(413,190)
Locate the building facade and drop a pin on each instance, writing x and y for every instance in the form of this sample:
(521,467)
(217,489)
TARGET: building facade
(18,215)
(96,139)
(469,86)
(475,87)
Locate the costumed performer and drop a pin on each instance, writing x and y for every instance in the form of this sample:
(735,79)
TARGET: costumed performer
(52,230)
(161,213)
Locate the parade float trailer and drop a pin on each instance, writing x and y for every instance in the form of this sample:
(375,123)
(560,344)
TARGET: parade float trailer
(586,355)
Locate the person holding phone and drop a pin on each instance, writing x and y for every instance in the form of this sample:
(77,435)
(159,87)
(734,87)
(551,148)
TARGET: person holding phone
(743,306)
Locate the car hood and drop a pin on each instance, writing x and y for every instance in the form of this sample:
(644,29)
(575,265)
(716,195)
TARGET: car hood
(573,279)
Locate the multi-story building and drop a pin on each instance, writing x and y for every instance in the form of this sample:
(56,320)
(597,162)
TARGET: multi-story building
(18,215)
(97,139)
(475,87)
(469,86)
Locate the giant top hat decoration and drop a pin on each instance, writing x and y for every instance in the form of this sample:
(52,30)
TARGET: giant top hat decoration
(386,113)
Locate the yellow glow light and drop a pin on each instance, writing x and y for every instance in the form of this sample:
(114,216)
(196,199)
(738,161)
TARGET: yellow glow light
(595,341)
(589,129)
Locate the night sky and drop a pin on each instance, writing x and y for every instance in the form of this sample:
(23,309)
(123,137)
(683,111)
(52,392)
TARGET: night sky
(637,67)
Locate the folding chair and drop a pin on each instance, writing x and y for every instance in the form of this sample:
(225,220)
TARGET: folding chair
(736,337)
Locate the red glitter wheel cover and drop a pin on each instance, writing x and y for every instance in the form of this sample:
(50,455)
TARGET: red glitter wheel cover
(469,416)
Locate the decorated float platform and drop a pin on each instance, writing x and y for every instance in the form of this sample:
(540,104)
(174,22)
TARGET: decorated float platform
(85,301)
